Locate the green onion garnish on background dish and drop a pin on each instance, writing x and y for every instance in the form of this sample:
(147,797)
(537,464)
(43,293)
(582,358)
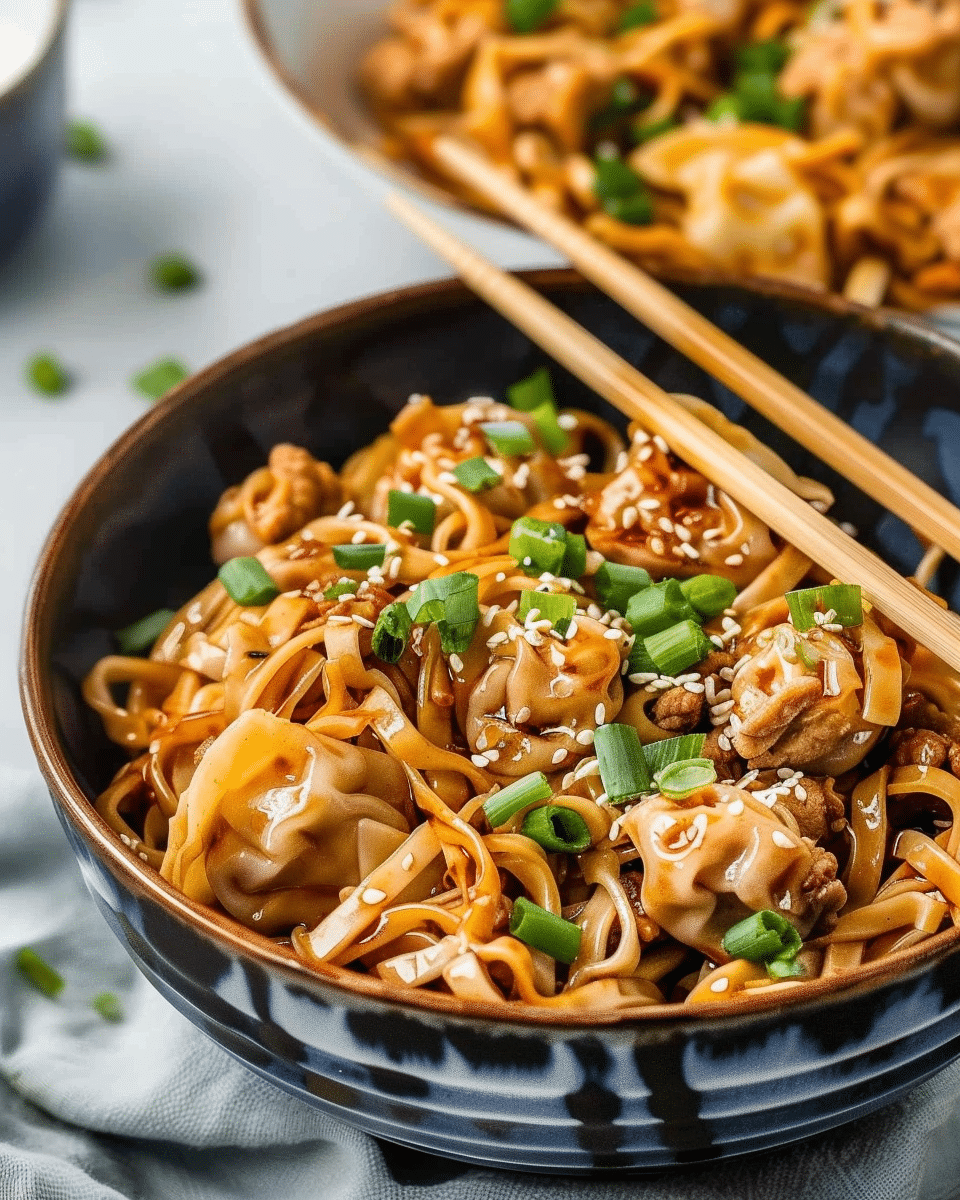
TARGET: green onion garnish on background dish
(85,142)
(646,131)
(510,439)
(524,16)
(160,377)
(766,937)
(420,511)
(391,632)
(534,395)
(769,57)
(47,375)
(675,649)
(557,608)
(755,92)
(623,768)
(346,587)
(682,778)
(842,601)
(615,583)
(538,546)
(660,755)
(574,556)
(138,638)
(658,607)
(556,829)
(476,475)
(625,100)
(621,191)
(544,931)
(108,1006)
(173,272)
(502,806)
(726,105)
(247,582)
(451,601)
(39,972)
(638,15)
(708,594)
(359,557)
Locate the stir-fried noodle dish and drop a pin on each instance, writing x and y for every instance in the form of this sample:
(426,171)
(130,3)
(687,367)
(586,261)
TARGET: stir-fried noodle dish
(815,143)
(511,710)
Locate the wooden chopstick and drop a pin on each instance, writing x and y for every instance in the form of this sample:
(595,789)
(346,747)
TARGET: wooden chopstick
(640,398)
(780,401)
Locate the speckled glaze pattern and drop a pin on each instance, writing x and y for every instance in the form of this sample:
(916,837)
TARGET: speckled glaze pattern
(31,139)
(567,1094)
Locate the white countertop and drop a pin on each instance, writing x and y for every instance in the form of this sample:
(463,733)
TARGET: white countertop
(207,157)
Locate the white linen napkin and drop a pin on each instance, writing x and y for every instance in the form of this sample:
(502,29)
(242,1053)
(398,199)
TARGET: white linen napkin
(148,1108)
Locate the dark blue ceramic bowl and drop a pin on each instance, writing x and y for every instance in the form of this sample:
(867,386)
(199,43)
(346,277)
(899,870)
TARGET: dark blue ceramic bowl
(32,113)
(562,1093)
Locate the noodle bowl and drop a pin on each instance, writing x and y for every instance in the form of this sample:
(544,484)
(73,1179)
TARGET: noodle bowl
(517,710)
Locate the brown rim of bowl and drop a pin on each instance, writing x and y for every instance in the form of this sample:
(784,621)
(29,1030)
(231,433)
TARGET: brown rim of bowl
(403,173)
(37,701)
(58,20)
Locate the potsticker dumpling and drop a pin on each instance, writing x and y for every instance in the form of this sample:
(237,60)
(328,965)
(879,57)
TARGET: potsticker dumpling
(707,866)
(277,820)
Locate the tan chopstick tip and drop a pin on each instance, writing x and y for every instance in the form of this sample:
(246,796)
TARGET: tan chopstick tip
(823,433)
(641,399)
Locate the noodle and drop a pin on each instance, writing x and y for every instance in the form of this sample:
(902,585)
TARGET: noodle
(330,787)
(815,144)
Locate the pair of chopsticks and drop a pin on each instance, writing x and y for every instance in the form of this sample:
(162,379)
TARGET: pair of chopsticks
(835,442)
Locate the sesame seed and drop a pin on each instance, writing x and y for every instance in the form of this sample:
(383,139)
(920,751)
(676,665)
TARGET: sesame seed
(683,534)
(358,538)
(367,624)
(660,444)
(372,895)
(649,504)
(657,546)
(630,517)
(559,755)
(441,560)
(478,760)
(346,510)
(623,461)
(665,524)
(695,688)
(600,714)
(491,755)
(724,742)
(585,737)
(522,715)
(688,550)
(613,635)
(735,808)
(781,840)
(645,453)
(457,663)
(745,548)
(733,560)
(497,640)
(407,862)
(720,985)
(567,421)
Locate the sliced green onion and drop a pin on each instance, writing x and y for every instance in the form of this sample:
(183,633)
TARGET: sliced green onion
(538,546)
(675,649)
(420,511)
(683,778)
(554,439)
(558,830)
(544,931)
(726,105)
(806,654)
(623,769)
(574,556)
(138,639)
(709,594)
(451,601)
(515,797)
(39,972)
(173,273)
(476,475)
(528,394)
(391,632)
(85,142)
(160,377)
(557,608)
(658,607)
(766,58)
(524,16)
(247,582)
(646,131)
(638,15)
(615,583)
(615,179)
(631,210)
(346,587)
(845,600)
(108,1006)
(660,755)
(511,439)
(640,661)
(784,968)
(762,936)
(361,557)
(47,375)
(760,100)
